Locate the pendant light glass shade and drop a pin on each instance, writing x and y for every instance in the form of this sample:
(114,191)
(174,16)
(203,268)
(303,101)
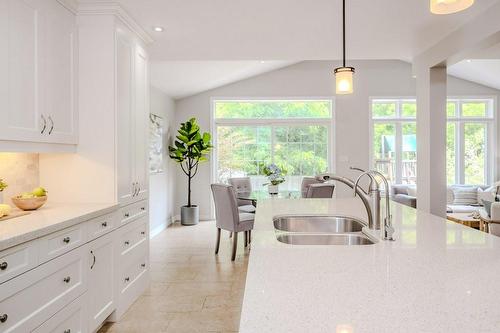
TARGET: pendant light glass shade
(344,80)
(442,7)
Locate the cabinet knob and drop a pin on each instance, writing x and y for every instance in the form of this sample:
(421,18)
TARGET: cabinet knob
(127,243)
(127,279)
(66,240)
(104,224)
(143,232)
(4,265)
(3,318)
(67,279)
(127,214)
(143,265)
(67,331)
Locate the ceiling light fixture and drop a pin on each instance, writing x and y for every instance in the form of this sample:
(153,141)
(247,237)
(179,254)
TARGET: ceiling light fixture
(158,29)
(443,7)
(344,74)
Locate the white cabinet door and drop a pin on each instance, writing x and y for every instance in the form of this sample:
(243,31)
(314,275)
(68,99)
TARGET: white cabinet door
(101,280)
(37,72)
(21,39)
(125,119)
(141,114)
(59,75)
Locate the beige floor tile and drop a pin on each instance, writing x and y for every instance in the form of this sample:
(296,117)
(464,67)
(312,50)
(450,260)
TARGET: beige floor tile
(192,290)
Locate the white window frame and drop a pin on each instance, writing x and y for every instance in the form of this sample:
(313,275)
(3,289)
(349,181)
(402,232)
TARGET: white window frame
(398,120)
(491,137)
(328,122)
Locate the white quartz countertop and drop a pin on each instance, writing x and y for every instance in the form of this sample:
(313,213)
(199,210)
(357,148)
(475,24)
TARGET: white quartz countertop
(47,219)
(437,276)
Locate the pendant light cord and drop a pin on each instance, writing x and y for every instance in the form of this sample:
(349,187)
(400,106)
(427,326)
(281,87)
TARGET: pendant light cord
(343,31)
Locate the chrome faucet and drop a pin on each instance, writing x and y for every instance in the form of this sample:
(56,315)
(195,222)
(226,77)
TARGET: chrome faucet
(370,199)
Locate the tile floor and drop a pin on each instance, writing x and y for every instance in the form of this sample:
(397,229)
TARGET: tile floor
(192,289)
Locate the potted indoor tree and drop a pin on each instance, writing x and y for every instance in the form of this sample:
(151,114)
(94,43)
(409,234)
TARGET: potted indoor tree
(190,149)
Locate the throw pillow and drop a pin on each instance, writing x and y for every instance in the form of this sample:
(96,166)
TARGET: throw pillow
(485,195)
(412,191)
(465,195)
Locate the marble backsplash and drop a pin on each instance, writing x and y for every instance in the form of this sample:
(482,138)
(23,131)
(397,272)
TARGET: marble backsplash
(20,171)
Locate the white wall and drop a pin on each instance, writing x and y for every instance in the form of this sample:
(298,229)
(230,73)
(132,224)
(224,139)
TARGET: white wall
(162,185)
(315,78)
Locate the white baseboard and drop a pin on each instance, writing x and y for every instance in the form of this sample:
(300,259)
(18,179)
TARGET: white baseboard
(177,218)
(158,229)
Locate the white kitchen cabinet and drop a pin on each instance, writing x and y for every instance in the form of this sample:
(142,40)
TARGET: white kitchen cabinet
(38,72)
(132,112)
(101,280)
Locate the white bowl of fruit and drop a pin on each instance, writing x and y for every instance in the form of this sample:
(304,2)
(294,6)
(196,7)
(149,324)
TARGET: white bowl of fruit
(31,200)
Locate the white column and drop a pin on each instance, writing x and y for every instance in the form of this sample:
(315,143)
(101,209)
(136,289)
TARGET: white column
(431,140)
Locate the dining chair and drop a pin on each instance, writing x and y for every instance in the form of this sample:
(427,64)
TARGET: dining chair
(320,191)
(243,186)
(306,182)
(229,218)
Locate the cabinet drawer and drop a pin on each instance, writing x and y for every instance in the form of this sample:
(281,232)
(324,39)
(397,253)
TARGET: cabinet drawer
(133,211)
(17,260)
(133,271)
(133,235)
(71,319)
(28,300)
(62,241)
(101,225)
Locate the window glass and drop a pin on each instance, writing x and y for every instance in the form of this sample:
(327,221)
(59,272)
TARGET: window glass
(272,109)
(409,153)
(474,153)
(474,109)
(451,109)
(384,109)
(384,145)
(450,153)
(409,109)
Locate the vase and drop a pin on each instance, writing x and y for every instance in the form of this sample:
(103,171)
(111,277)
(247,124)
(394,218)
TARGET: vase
(190,215)
(272,189)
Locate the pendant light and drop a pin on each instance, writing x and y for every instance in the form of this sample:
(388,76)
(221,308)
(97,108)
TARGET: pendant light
(344,74)
(442,7)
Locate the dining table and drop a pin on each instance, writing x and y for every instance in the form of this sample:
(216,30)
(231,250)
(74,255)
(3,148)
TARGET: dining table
(255,196)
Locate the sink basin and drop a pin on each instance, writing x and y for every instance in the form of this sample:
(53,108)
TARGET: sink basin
(317,224)
(318,239)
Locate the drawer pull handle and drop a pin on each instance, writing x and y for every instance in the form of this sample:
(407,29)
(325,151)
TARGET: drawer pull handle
(3,318)
(67,279)
(127,279)
(66,240)
(93,262)
(127,214)
(104,224)
(4,265)
(67,331)
(143,265)
(143,232)
(127,243)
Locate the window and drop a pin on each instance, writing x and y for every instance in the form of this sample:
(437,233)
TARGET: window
(394,139)
(469,141)
(294,134)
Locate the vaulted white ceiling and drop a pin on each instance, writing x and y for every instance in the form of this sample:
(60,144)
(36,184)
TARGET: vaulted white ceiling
(292,29)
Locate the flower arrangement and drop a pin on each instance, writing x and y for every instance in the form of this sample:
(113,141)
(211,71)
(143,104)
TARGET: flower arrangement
(275,174)
(3,185)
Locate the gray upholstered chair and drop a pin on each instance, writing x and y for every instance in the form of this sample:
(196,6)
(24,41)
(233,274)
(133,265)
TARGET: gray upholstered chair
(320,191)
(243,186)
(229,218)
(306,182)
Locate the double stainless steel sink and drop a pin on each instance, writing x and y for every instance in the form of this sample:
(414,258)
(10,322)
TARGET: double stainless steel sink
(320,230)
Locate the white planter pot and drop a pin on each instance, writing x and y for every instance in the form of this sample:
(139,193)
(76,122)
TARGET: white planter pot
(190,215)
(273,189)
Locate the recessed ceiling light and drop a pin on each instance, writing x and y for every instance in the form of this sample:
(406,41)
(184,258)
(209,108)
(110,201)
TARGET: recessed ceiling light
(158,29)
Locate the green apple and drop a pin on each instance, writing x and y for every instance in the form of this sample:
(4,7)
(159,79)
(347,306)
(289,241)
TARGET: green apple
(39,192)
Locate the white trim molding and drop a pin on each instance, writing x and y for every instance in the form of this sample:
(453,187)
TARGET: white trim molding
(113,8)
